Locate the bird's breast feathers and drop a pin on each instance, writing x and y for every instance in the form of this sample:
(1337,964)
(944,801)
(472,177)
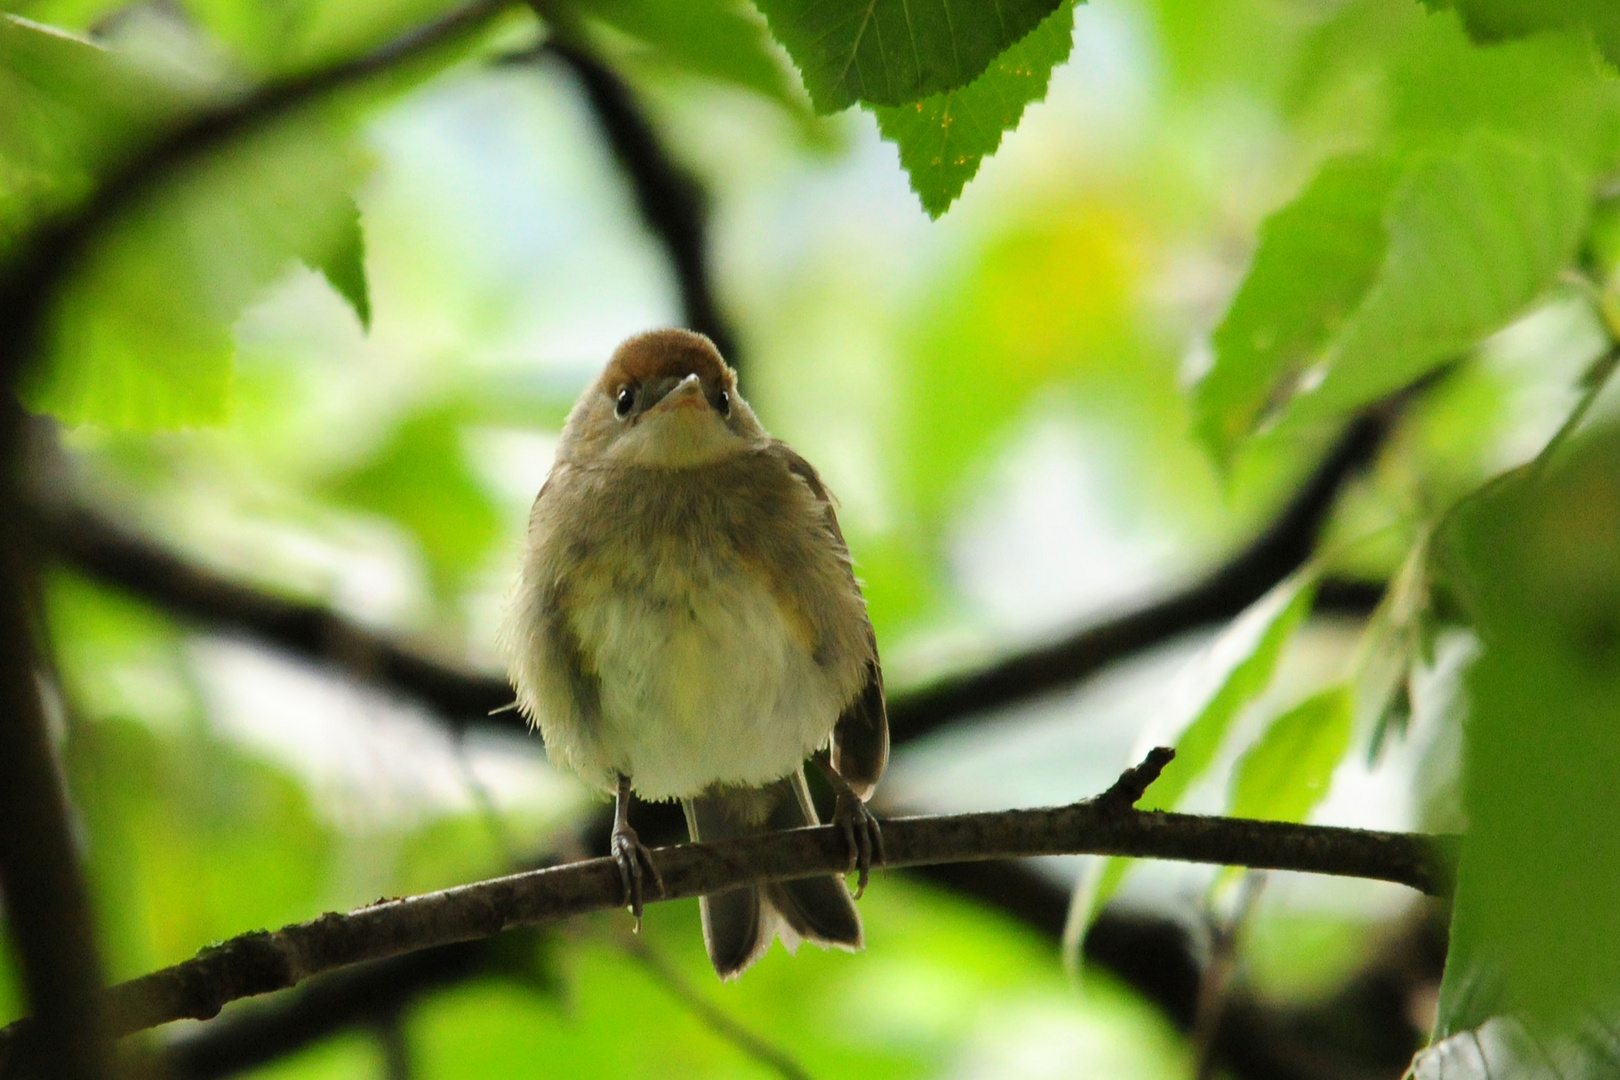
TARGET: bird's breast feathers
(723,630)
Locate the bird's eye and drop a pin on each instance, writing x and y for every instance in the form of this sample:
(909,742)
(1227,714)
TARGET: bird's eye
(722,403)
(626,399)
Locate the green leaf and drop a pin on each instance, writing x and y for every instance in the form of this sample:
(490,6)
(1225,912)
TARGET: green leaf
(943,138)
(721,39)
(1540,91)
(892,52)
(420,478)
(344,265)
(67,107)
(1288,770)
(1243,658)
(1534,560)
(1248,653)
(1475,235)
(1316,258)
(1497,20)
(142,337)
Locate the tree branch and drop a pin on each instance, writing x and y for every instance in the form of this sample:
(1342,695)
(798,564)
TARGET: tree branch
(671,200)
(1154,954)
(110,553)
(247,1039)
(116,555)
(260,962)
(47,906)
(1220,595)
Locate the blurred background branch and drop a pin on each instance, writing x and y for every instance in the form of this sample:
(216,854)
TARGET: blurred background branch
(92,542)
(48,916)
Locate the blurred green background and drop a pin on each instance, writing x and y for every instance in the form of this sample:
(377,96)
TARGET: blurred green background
(331,360)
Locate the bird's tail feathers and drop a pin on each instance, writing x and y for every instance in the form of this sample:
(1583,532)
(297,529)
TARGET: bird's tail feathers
(738,924)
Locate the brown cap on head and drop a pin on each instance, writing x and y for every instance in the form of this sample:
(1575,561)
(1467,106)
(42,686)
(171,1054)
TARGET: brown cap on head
(661,354)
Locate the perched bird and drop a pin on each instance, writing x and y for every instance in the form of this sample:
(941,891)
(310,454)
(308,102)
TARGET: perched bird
(687,625)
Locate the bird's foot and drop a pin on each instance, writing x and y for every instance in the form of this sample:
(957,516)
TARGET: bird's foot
(635,866)
(861,831)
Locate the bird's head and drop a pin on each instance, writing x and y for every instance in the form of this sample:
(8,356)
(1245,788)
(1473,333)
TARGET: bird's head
(665,400)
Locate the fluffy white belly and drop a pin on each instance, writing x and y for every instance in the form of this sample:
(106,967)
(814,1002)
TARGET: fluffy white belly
(706,684)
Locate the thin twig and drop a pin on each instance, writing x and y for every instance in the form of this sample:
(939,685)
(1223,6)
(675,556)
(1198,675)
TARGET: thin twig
(711,1015)
(261,962)
(396,1046)
(1225,939)
(1133,783)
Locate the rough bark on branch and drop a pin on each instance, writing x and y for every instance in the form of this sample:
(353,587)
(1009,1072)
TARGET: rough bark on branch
(262,961)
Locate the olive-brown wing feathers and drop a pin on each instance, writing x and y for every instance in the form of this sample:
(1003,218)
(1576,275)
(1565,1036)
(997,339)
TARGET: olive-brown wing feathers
(860,741)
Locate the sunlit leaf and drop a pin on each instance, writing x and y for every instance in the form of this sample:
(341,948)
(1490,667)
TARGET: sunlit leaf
(1247,652)
(67,107)
(943,138)
(890,52)
(1534,560)
(345,265)
(1288,770)
(1543,91)
(1316,258)
(1397,637)
(142,336)
(1475,235)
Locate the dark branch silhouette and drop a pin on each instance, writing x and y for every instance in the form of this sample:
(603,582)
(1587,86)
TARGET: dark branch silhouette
(114,554)
(671,200)
(47,905)
(262,961)
(1222,594)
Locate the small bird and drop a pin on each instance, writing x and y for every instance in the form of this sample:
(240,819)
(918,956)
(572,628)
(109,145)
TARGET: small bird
(687,624)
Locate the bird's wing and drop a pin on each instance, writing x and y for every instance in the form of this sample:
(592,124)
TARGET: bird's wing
(860,742)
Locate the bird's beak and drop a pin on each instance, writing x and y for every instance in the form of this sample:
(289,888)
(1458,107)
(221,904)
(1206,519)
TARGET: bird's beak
(686,394)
